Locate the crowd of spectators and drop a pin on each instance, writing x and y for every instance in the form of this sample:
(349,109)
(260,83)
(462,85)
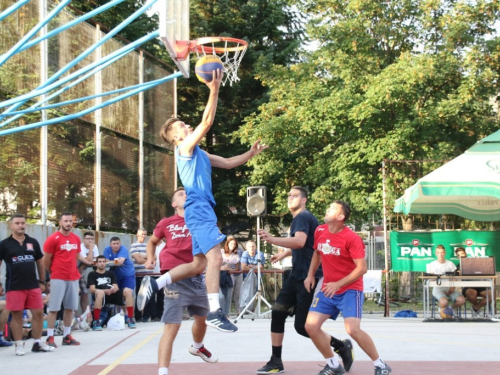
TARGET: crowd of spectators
(47,286)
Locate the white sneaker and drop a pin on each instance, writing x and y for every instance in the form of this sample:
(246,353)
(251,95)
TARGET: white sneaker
(20,348)
(204,354)
(84,326)
(474,313)
(83,317)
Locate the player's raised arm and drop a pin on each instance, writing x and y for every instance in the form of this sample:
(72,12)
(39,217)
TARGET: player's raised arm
(232,162)
(194,138)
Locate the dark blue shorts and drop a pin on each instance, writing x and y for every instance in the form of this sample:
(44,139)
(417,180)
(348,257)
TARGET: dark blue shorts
(350,303)
(202,223)
(126,282)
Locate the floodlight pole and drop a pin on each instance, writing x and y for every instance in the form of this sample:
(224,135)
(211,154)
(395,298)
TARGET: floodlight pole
(141,143)
(44,153)
(98,137)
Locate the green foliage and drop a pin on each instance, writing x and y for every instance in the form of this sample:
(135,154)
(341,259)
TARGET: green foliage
(142,25)
(391,80)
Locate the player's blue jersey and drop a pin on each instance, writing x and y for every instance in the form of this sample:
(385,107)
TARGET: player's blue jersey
(195,172)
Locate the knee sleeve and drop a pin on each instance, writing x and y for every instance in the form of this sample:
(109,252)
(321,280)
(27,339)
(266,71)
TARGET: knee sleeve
(300,328)
(278,318)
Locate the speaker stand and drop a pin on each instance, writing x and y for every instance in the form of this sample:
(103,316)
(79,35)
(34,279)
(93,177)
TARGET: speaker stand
(258,297)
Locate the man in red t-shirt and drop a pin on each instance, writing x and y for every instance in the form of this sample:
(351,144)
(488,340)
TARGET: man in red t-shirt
(190,293)
(342,253)
(61,256)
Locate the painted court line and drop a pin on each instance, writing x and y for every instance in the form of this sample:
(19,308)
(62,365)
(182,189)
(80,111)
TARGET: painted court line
(104,352)
(108,369)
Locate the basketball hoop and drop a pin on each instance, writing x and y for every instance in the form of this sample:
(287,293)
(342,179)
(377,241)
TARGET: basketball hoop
(229,50)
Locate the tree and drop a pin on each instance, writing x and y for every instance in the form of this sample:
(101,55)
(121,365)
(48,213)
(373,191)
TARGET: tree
(274,33)
(389,80)
(142,25)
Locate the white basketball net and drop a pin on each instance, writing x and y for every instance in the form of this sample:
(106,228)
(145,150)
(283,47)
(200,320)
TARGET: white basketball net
(230,52)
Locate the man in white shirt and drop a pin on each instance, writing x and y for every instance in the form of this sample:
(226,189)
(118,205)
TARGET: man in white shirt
(440,267)
(86,259)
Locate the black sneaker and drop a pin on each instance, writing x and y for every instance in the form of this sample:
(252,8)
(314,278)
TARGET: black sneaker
(274,366)
(332,371)
(347,355)
(217,319)
(42,348)
(383,371)
(148,288)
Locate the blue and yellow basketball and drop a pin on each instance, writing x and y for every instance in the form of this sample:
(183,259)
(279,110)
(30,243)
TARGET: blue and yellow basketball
(206,65)
(446,313)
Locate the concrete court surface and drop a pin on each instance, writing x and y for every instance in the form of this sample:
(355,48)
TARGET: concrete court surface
(409,345)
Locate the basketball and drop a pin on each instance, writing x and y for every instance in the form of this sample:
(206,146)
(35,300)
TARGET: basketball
(446,313)
(206,65)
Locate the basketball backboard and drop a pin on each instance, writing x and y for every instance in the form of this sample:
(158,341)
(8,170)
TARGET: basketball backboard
(174,27)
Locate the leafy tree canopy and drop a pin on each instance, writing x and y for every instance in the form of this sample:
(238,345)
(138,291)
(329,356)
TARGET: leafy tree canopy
(391,80)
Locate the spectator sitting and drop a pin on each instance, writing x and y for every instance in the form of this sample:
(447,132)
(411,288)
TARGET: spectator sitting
(249,259)
(103,286)
(442,294)
(230,261)
(124,269)
(472,294)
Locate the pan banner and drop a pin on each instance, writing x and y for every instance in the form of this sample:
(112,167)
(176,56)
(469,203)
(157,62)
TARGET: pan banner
(411,251)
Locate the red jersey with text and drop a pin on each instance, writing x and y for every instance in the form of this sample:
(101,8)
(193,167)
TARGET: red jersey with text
(178,247)
(337,253)
(64,250)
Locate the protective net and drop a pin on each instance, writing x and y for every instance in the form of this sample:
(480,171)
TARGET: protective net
(72,145)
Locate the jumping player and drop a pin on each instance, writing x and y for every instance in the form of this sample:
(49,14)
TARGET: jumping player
(192,293)
(342,253)
(195,170)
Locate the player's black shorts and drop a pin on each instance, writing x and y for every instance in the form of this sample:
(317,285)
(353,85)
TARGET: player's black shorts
(294,297)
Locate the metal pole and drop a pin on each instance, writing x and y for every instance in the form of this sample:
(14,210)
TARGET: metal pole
(44,137)
(258,266)
(141,142)
(98,123)
(386,310)
(175,115)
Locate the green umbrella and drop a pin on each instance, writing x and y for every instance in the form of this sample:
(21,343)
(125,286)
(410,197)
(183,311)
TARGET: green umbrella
(467,186)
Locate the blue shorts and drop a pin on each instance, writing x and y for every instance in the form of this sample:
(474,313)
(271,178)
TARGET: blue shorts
(350,303)
(126,282)
(202,223)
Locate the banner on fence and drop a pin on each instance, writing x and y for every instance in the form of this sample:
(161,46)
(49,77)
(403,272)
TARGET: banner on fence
(411,251)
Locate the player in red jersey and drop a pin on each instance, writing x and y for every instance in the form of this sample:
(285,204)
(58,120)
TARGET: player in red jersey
(342,254)
(190,293)
(61,256)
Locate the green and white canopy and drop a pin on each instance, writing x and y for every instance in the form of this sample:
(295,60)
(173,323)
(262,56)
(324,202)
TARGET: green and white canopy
(467,186)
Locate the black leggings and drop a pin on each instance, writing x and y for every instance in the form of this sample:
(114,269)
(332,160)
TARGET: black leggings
(293,299)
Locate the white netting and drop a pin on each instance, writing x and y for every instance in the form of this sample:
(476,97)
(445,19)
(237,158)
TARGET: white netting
(230,51)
